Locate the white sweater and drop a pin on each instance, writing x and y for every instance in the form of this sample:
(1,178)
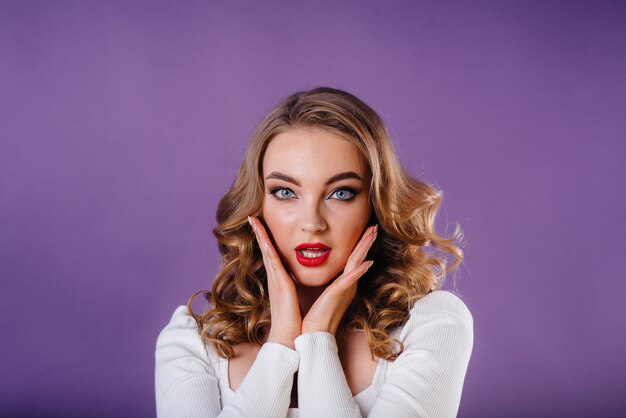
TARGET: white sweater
(426,380)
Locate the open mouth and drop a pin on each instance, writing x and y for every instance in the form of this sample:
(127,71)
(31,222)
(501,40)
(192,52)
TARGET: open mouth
(312,255)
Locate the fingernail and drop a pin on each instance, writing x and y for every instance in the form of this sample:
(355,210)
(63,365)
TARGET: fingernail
(371,262)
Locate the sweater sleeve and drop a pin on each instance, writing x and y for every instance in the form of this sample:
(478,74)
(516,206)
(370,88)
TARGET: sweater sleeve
(426,380)
(187,385)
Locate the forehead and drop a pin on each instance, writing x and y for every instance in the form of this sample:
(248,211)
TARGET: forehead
(312,153)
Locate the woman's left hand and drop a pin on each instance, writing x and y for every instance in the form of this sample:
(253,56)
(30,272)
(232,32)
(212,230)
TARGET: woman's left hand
(328,310)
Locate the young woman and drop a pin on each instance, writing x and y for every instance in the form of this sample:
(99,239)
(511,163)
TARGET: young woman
(327,302)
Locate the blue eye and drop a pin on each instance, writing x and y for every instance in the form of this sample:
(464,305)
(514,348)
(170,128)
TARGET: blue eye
(343,194)
(282,193)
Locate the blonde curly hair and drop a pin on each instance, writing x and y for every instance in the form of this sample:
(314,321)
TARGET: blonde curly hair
(411,258)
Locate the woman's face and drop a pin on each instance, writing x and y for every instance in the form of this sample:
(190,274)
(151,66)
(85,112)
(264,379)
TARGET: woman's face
(316,203)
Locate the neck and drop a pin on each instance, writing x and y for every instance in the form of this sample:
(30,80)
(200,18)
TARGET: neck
(307,297)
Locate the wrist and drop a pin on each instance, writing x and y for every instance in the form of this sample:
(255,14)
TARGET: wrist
(283,338)
(317,327)
(286,343)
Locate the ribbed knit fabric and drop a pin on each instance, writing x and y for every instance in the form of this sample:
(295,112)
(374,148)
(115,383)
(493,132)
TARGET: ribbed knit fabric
(187,385)
(426,380)
(322,392)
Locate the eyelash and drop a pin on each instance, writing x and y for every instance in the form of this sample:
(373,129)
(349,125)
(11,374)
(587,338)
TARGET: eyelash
(350,190)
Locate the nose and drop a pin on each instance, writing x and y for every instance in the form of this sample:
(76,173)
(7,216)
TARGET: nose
(313,221)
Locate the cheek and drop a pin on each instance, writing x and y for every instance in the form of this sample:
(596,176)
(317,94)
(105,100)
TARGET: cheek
(351,227)
(277,222)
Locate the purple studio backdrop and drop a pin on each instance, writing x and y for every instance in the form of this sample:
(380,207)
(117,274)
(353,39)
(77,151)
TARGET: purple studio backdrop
(123,122)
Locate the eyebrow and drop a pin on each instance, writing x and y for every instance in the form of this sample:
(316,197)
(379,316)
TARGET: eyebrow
(343,176)
(337,177)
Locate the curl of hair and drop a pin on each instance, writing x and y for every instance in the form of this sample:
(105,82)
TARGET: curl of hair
(411,258)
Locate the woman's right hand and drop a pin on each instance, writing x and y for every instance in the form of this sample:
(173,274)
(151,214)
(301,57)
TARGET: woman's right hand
(284,308)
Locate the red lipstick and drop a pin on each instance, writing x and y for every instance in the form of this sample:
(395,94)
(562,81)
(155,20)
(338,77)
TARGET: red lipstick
(312,254)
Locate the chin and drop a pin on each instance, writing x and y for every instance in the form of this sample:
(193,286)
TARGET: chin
(314,277)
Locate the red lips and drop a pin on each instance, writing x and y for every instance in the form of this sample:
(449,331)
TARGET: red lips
(312,254)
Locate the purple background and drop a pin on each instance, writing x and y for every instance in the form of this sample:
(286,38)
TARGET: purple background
(122,123)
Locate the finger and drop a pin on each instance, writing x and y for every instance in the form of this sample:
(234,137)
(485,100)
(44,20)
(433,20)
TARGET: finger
(360,251)
(346,280)
(261,236)
(265,244)
(368,232)
(261,241)
(271,259)
(253,223)
(260,232)
(362,240)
